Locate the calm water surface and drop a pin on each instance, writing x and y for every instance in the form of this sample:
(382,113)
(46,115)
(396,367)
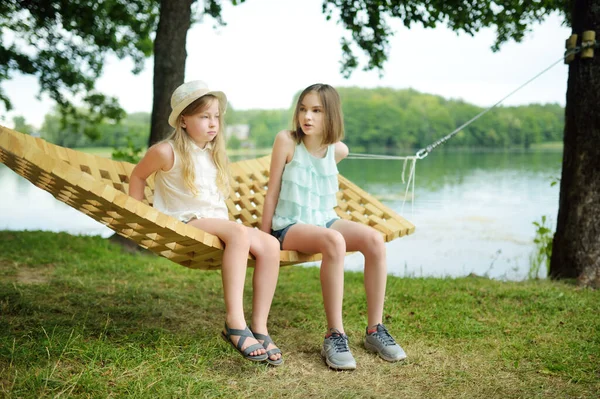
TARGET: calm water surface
(473,211)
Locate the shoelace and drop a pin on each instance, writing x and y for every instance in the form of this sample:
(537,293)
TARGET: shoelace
(384,336)
(339,342)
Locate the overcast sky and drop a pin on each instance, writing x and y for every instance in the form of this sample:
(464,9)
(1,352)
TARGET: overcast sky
(270,49)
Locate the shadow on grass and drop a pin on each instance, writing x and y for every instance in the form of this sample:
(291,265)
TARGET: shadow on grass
(96,293)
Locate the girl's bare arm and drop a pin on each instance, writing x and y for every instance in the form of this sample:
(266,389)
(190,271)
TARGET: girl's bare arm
(159,156)
(283,152)
(341,151)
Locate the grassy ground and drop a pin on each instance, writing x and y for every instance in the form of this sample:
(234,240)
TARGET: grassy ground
(80,318)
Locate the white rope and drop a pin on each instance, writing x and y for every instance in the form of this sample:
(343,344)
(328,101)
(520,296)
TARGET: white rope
(423,152)
(411,175)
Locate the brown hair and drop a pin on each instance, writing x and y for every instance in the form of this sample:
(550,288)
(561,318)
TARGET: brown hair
(183,145)
(333,121)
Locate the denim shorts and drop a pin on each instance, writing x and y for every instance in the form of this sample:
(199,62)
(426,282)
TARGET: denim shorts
(280,234)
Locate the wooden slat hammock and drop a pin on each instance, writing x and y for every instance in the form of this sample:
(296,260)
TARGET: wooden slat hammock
(98,187)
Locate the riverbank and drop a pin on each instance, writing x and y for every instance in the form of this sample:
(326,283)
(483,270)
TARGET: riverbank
(81,318)
(106,152)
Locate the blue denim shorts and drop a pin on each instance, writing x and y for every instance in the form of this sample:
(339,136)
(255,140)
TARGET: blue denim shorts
(280,234)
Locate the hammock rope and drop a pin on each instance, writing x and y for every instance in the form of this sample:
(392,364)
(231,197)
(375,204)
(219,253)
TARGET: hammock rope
(423,152)
(98,187)
(408,160)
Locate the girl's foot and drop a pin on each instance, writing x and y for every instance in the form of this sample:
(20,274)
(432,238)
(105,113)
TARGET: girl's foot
(336,351)
(380,341)
(273,352)
(245,343)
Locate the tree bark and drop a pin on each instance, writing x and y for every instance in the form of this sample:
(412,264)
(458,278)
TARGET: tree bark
(576,245)
(169,62)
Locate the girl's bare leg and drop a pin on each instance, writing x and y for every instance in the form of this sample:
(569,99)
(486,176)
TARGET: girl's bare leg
(370,243)
(330,243)
(233,271)
(265,248)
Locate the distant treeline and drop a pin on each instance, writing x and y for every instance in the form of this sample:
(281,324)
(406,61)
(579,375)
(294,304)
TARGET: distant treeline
(375,119)
(409,119)
(134,129)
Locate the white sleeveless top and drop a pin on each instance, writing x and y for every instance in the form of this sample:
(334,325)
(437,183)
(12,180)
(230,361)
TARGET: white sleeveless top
(174,198)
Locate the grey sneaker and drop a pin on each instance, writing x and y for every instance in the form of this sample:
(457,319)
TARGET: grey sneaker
(336,351)
(384,345)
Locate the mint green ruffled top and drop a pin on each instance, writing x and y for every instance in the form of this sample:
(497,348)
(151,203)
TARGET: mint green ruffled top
(308,189)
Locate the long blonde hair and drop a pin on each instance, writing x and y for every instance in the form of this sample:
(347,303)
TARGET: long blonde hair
(333,121)
(183,145)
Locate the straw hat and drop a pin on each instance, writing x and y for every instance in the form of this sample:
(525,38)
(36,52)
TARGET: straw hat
(189,92)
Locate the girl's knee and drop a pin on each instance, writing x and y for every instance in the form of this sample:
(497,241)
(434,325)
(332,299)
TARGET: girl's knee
(272,244)
(271,247)
(238,234)
(376,239)
(240,230)
(266,246)
(333,244)
(374,244)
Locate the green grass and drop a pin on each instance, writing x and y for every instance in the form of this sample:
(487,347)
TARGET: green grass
(81,318)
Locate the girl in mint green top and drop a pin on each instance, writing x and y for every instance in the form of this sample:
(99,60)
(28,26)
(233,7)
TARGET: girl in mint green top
(308,189)
(299,212)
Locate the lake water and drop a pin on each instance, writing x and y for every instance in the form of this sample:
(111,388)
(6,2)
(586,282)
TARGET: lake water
(473,211)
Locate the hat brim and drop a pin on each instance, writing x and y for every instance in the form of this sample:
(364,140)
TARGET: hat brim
(193,96)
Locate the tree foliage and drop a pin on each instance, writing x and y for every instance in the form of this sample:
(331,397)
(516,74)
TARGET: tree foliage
(64,43)
(22,126)
(368,22)
(131,130)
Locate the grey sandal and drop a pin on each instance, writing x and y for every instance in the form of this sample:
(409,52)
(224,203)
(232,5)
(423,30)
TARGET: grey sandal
(243,334)
(266,341)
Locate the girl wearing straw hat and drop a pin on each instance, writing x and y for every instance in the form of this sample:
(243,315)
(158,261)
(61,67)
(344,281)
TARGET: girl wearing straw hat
(191,184)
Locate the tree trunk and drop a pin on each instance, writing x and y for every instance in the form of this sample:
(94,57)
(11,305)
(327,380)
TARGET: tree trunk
(169,62)
(576,245)
(169,72)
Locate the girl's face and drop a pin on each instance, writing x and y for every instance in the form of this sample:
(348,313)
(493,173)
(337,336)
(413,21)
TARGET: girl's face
(202,127)
(311,114)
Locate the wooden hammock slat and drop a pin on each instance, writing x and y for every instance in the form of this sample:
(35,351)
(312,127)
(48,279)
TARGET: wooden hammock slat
(98,187)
